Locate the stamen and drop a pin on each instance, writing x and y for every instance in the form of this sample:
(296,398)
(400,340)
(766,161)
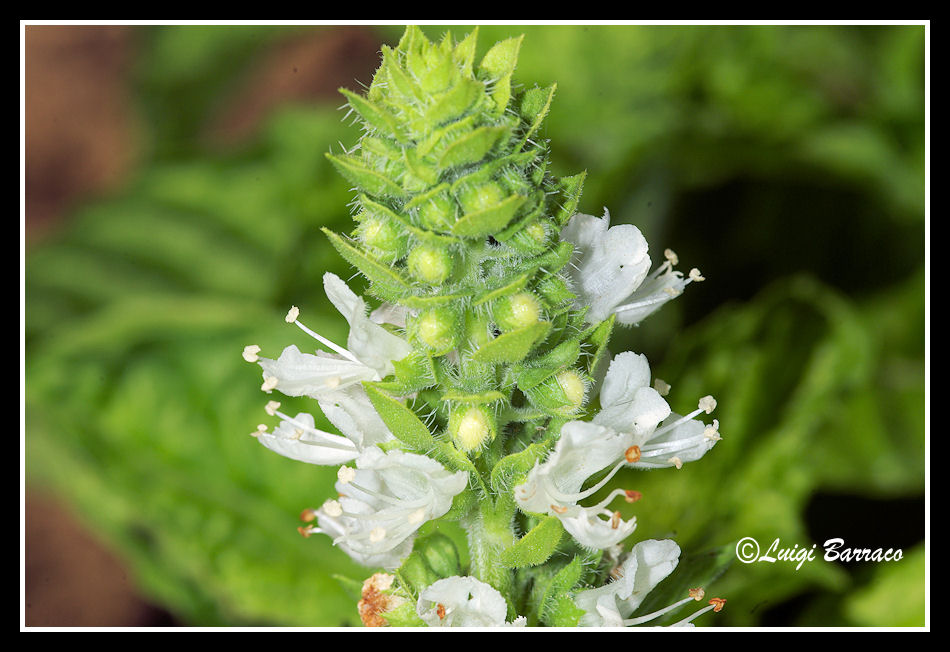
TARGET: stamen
(330,441)
(712,432)
(320,338)
(707,404)
(261,430)
(716,604)
(662,388)
(269,383)
(697,594)
(632,454)
(250,352)
(695,275)
(440,611)
(675,461)
(308,515)
(389,499)
(332,509)
(346,474)
(656,614)
(292,314)
(671,256)
(615,520)
(271,407)
(632,496)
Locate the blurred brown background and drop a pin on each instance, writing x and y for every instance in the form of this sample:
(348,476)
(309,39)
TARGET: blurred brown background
(82,142)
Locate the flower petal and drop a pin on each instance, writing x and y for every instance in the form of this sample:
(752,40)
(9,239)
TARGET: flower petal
(609,263)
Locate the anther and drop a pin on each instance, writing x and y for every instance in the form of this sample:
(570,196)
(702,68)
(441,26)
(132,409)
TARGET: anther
(707,404)
(662,388)
(718,604)
(632,454)
(675,461)
(377,534)
(332,508)
(271,407)
(632,496)
(695,275)
(332,382)
(261,430)
(304,531)
(671,256)
(417,516)
(615,521)
(440,611)
(697,594)
(308,515)
(269,383)
(558,509)
(292,314)
(712,432)
(250,352)
(346,474)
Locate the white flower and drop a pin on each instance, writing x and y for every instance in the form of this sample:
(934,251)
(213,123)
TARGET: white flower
(350,410)
(610,270)
(662,439)
(383,502)
(635,427)
(554,486)
(464,602)
(647,564)
(370,352)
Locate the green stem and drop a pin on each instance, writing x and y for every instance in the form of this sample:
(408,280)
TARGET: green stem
(489,533)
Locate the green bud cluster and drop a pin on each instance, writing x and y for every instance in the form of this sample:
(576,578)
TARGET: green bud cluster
(457,222)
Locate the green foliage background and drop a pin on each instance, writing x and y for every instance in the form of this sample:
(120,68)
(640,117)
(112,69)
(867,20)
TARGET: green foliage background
(785,162)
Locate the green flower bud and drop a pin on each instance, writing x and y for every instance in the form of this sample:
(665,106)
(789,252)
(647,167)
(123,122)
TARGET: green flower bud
(471,427)
(416,572)
(438,213)
(383,237)
(478,329)
(562,394)
(554,291)
(430,264)
(532,239)
(516,311)
(437,329)
(440,554)
(478,197)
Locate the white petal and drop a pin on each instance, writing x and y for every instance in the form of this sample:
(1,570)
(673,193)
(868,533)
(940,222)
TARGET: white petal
(582,450)
(304,445)
(647,564)
(591,531)
(609,263)
(628,372)
(368,341)
(638,415)
(305,374)
(655,560)
(351,411)
(464,602)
